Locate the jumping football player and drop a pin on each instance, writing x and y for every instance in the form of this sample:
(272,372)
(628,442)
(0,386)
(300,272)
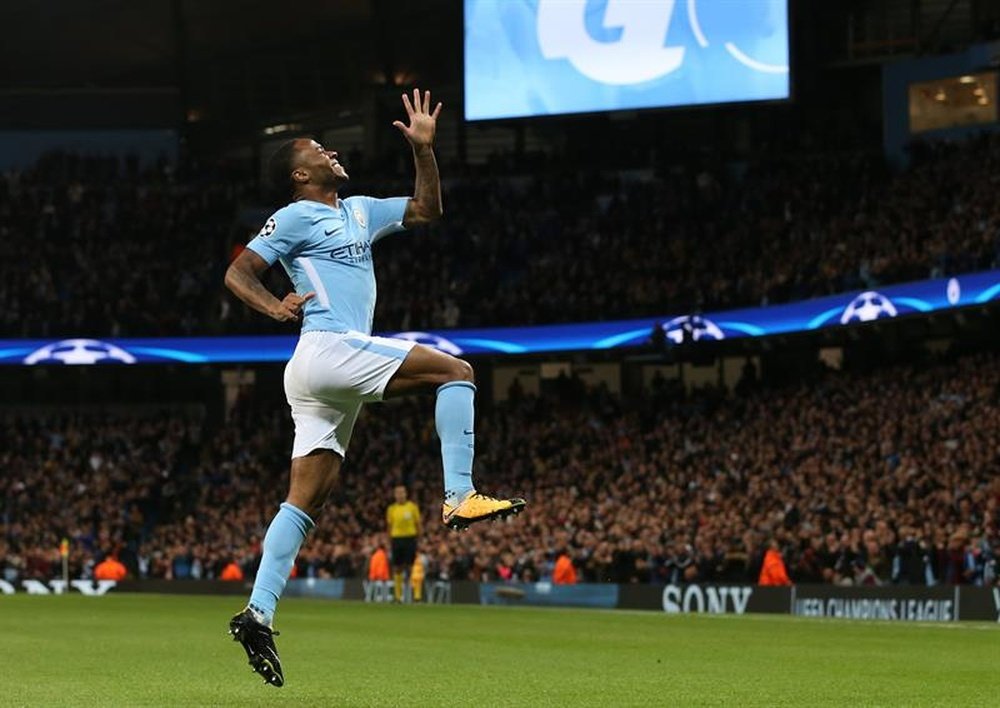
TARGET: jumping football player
(325,244)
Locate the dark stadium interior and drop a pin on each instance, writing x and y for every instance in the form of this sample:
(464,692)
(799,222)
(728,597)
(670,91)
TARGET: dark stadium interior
(879,465)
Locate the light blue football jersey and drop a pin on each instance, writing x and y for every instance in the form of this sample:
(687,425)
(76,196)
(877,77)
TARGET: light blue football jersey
(328,250)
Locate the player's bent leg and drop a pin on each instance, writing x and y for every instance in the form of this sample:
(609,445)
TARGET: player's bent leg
(424,370)
(313,477)
(454,414)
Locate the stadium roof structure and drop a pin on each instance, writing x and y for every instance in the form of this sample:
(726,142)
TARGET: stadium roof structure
(225,59)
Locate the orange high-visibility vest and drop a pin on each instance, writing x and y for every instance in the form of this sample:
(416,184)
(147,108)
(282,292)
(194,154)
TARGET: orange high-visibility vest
(110,569)
(773,572)
(231,572)
(564,572)
(378,566)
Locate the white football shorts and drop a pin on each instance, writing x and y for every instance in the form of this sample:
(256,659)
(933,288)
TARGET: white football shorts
(329,377)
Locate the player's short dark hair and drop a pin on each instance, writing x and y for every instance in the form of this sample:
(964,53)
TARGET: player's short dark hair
(279,171)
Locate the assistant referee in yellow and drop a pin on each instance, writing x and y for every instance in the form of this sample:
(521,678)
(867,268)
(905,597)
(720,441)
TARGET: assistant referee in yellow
(403,520)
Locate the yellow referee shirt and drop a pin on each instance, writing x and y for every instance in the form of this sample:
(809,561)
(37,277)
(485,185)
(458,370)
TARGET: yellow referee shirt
(403,519)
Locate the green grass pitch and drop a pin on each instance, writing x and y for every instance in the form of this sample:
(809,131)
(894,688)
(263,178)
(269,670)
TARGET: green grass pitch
(150,650)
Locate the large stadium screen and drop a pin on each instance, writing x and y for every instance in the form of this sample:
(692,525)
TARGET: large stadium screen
(546,57)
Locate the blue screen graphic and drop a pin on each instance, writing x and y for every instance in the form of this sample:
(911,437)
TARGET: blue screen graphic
(545,57)
(833,311)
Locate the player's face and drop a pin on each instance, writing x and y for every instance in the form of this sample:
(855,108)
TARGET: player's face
(400,494)
(322,164)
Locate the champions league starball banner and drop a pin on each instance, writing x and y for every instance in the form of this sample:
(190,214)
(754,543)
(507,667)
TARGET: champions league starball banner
(546,57)
(821,313)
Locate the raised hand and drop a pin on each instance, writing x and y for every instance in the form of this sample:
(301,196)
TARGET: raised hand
(423,123)
(290,309)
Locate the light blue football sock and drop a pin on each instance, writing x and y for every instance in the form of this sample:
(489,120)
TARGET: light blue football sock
(455,415)
(284,536)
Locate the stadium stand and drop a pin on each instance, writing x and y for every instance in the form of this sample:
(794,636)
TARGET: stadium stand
(100,247)
(875,478)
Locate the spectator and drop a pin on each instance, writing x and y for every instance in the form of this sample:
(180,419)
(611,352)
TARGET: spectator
(779,228)
(378,565)
(882,477)
(564,572)
(110,569)
(773,570)
(417,575)
(232,572)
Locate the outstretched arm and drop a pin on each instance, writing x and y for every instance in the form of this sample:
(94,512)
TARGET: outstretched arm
(243,278)
(425,206)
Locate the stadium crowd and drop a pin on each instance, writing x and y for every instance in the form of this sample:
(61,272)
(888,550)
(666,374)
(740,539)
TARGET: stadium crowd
(886,477)
(103,248)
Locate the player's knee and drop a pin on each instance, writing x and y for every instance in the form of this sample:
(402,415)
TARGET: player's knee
(461,370)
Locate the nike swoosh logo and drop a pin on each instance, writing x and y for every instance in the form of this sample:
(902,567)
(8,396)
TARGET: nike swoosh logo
(329,232)
(468,432)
